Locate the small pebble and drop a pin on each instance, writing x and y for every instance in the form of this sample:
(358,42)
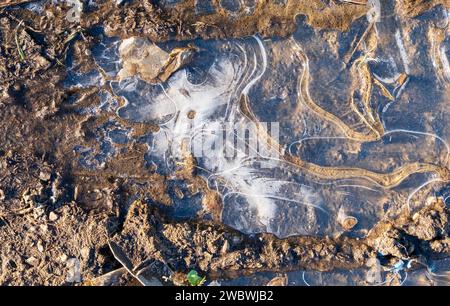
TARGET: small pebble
(53,216)
(45,175)
(43,227)
(349,223)
(33,261)
(85,252)
(278,281)
(40,247)
(63,258)
(191,114)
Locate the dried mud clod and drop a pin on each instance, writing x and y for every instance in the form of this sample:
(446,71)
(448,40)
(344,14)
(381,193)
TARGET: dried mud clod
(431,223)
(427,230)
(220,251)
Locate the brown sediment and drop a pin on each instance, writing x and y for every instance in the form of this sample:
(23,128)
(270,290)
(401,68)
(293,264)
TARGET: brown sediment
(385,180)
(220,251)
(376,127)
(47,202)
(371,120)
(268,18)
(413,8)
(436,36)
(187,171)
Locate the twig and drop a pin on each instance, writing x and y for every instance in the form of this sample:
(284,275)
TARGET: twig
(363,37)
(120,256)
(360,2)
(16,38)
(24,24)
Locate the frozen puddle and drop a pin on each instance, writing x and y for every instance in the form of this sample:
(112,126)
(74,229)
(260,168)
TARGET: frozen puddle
(295,136)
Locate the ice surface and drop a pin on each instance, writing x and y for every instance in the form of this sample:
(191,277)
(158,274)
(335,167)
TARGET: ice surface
(237,85)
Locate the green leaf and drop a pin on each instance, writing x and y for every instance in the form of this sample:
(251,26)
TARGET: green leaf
(194,279)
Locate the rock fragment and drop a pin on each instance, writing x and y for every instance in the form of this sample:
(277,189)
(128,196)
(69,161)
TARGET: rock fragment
(53,216)
(142,58)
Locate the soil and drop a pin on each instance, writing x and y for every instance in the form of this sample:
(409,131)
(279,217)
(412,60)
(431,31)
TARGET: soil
(267,18)
(221,252)
(61,224)
(412,8)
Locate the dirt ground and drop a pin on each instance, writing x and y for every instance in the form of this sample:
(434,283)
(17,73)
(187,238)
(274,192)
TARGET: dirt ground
(63,225)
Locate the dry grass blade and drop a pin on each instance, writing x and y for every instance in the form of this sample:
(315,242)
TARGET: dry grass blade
(16,38)
(120,256)
(72,36)
(13,2)
(358,44)
(384,91)
(359,2)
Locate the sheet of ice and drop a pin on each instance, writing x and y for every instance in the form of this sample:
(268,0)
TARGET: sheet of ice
(232,85)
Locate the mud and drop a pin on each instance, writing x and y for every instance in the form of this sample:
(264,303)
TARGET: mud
(412,8)
(220,252)
(111,223)
(268,18)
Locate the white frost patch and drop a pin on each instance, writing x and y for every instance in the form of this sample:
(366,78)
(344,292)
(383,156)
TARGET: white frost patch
(403,53)
(216,106)
(445,63)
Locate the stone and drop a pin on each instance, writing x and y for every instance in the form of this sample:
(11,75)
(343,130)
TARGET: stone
(40,247)
(63,258)
(45,175)
(32,261)
(142,58)
(53,216)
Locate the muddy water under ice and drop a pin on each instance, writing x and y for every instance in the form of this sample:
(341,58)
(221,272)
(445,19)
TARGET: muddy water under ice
(266,193)
(376,275)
